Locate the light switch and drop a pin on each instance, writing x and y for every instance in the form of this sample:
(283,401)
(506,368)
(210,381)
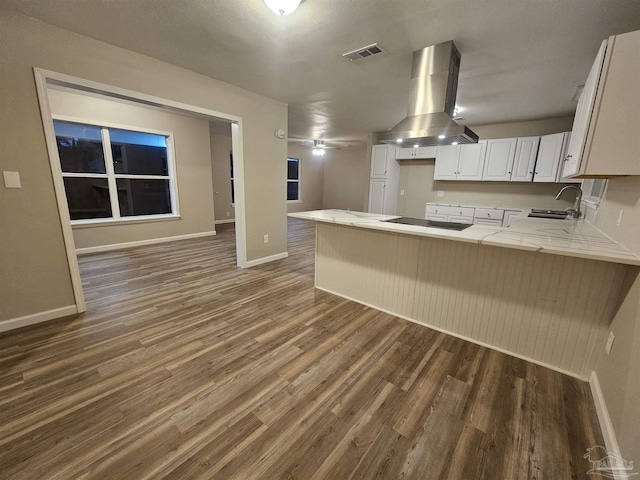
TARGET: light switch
(11,180)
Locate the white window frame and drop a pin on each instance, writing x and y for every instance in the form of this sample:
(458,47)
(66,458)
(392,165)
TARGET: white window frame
(298,181)
(111,176)
(591,194)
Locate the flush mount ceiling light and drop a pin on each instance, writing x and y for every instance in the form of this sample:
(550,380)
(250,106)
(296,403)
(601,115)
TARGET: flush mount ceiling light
(318,147)
(282,7)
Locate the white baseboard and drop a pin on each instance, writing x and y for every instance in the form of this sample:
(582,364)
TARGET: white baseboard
(140,243)
(457,335)
(229,220)
(19,322)
(610,440)
(271,258)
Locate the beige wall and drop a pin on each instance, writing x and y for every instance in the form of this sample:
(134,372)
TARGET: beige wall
(31,242)
(416,177)
(221,175)
(619,372)
(192,164)
(346,178)
(311,179)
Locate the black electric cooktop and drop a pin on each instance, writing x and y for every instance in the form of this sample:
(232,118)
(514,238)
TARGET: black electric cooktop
(420,222)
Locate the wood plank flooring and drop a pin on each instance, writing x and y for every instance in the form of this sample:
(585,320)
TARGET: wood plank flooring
(186,367)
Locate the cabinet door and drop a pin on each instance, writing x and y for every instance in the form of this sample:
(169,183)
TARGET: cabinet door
(526,152)
(509,216)
(426,152)
(499,159)
(487,221)
(376,196)
(405,152)
(549,157)
(446,163)
(583,115)
(563,160)
(379,160)
(471,161)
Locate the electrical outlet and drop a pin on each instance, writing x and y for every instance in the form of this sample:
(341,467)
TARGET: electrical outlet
(266,239)
(609,344)
(619,221)
(401,193)
(227,214)
(440,193)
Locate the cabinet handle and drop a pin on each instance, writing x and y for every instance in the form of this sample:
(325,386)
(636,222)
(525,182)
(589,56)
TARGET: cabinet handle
(509,173)
(569,156)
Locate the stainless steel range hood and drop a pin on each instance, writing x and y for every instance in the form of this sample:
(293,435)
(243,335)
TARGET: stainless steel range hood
(432,99)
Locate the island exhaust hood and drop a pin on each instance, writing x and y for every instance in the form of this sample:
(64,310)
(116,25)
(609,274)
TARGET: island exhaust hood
(432,99)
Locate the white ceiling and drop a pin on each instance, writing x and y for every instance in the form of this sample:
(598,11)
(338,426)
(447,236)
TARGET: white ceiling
(521,59)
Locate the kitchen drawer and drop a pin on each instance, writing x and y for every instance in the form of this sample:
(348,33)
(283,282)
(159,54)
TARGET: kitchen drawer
(487,221)
(450,210)
(489,213)
(460,219)
(437,218)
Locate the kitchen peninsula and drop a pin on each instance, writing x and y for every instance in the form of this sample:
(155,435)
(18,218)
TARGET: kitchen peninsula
(542,290)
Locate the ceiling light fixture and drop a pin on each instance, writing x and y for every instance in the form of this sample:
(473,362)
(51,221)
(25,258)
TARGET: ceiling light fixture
(318,147)
(282,7)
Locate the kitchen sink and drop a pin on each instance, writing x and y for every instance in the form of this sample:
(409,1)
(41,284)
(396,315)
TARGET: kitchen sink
(552,214)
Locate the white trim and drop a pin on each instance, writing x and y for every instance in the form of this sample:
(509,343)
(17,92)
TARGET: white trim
(463,337)
(140,243)
(604,419)
(101,124)
(237,142)
(58,184)
(230,220)
(270,258)
(106,222)
(19,322)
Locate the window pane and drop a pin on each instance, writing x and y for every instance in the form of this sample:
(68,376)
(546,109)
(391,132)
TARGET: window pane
(233,193)
(79,147)
(292,169)
(143,196)
(293,191)
(87,198)
(136,153)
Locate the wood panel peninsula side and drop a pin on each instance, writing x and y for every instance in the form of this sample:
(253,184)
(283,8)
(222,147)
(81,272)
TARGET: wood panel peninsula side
(541,290)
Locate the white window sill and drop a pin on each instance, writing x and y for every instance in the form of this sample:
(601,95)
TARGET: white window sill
(108,222)
(294,201)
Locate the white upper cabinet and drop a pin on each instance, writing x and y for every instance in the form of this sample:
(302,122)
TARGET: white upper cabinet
(549,157)
(408,153)
(605,140)
(525,160)
(563,159)
(471,161)
(381,157)
(460,162)
(499,159)
(446,163)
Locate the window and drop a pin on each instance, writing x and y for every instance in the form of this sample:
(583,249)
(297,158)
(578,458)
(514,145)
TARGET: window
(113,174)
(293,179)
(593,191)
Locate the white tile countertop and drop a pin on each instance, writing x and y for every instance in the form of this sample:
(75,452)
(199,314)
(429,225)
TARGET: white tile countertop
(573,238)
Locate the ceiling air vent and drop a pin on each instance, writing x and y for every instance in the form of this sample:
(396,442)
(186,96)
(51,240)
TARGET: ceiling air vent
(367,51)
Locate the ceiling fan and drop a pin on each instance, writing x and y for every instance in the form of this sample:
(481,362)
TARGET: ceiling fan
(318,147)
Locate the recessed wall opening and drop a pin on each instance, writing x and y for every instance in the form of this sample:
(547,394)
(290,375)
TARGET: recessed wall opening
(131,169)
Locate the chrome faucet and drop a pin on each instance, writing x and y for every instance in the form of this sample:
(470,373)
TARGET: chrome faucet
(575,211)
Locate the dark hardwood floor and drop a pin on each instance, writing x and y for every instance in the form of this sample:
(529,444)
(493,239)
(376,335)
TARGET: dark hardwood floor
(185,366)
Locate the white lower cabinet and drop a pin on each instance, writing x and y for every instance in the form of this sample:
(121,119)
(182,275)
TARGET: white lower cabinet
(509,216)
(488,216)
(376,196)
(447,213)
